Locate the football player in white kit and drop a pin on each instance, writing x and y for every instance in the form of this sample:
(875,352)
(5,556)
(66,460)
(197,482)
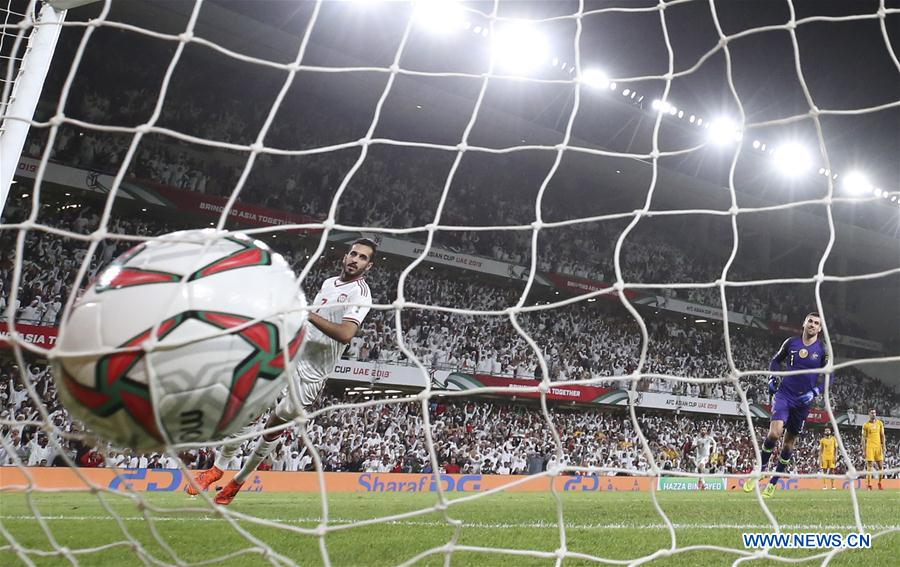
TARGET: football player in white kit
(337,313)
(703,447)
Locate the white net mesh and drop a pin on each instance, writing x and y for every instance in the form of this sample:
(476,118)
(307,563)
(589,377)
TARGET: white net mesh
(148,124)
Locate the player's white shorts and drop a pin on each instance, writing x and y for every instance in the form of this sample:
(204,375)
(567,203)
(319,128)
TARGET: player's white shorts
(702,462)
(309,387)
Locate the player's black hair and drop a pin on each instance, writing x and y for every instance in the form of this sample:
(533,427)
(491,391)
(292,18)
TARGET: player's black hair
(813,314)
(367,242)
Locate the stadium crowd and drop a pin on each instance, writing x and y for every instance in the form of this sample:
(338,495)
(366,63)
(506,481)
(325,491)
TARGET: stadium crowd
(306,185)
(470,437)
(581,341)
(578,342)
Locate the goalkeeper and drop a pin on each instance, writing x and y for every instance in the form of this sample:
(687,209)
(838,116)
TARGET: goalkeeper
(793,396)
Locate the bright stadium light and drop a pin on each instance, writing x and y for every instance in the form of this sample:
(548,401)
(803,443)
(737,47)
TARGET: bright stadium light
(519,47)
(792,160)
(439,16)
(724,131)
(856,183)
(664,107)
(595,78)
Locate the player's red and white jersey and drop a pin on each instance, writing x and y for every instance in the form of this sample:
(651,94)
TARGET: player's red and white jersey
(704,447)
(336,301)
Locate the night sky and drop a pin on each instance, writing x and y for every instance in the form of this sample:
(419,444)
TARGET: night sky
(846,64)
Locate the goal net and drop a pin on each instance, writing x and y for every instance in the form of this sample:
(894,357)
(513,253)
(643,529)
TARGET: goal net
(596,224)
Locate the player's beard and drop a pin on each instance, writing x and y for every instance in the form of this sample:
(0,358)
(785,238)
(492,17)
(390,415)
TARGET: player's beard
(347,275)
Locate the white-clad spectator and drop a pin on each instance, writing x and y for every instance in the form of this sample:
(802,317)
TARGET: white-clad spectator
(31,313)
(51,313)
(40,452)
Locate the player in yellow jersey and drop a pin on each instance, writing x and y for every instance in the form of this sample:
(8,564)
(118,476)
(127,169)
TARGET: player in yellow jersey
(873,446)
(827,451)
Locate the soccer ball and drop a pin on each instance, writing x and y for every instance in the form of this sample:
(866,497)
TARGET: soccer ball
(181,339)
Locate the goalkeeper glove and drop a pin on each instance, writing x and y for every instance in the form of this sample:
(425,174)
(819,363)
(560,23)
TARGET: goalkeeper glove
(809,396)
(773,384)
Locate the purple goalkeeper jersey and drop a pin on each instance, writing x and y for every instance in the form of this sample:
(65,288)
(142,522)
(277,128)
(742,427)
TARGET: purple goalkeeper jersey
(795,355)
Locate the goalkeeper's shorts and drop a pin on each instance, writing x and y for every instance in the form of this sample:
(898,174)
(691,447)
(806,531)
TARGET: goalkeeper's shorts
(791,411)
(874,453)
(828,463)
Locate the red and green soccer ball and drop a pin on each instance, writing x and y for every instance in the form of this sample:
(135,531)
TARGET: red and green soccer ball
(183,339)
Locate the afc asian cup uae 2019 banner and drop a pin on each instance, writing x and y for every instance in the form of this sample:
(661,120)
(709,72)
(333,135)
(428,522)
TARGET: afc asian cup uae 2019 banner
(37,335)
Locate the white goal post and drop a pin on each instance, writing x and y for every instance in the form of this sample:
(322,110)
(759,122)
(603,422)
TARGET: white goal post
(23,83)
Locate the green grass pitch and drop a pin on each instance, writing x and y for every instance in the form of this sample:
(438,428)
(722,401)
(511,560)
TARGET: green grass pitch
(620,526)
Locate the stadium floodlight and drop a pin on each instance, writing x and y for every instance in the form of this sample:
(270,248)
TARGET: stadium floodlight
(519,47)
(878,192)
(595,78)
(791,159)
(724,131)
(664,107)
(856,183)
(439,16)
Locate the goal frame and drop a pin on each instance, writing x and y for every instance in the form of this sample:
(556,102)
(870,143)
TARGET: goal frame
(21,100)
